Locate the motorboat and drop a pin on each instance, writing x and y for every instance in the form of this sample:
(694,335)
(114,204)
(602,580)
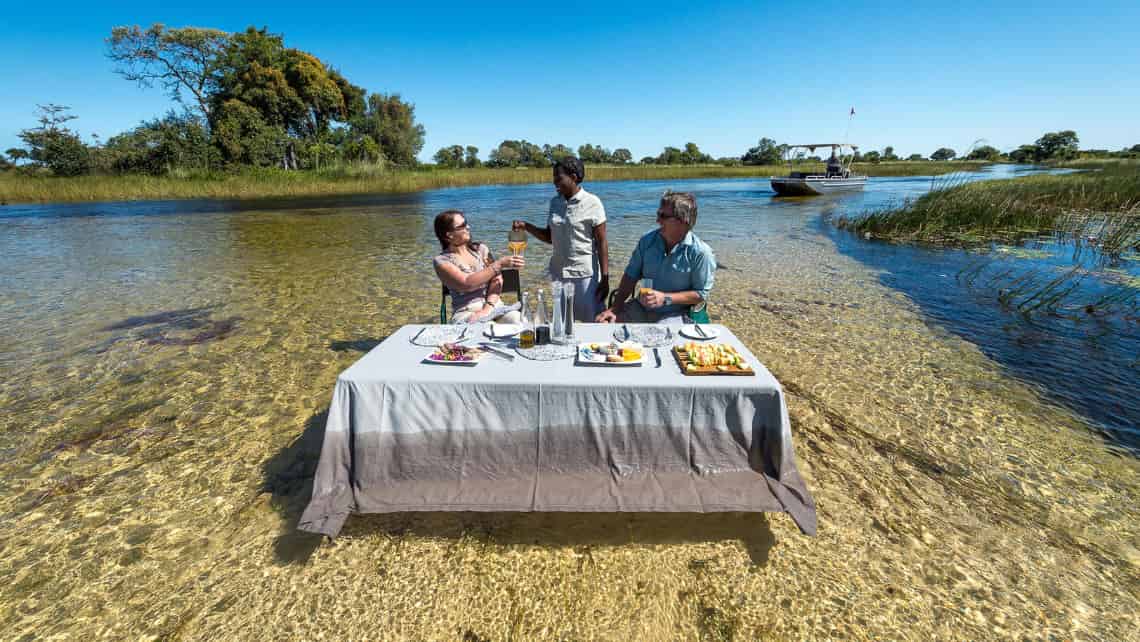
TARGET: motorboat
(836,177)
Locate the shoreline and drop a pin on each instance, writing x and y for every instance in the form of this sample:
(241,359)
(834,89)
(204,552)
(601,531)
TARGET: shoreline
(20,189)
(971,214)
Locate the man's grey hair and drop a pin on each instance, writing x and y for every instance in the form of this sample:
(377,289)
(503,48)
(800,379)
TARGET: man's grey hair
(684,206)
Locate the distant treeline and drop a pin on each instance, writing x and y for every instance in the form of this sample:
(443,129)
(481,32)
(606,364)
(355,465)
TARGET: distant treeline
(248,101)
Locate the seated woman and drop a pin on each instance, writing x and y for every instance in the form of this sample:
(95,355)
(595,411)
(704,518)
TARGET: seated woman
(466,268)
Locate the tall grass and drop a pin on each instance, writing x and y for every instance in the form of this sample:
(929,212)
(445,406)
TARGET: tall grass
(1096,212)
(16,187)
(960,212)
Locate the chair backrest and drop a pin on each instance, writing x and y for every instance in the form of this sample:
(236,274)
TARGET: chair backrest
(511,283)
(697,313)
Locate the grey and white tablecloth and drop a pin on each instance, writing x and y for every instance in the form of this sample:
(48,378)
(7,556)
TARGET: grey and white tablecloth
(528,435)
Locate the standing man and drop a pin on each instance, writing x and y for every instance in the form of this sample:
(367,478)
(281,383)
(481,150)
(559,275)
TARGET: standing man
(576,227)
(680,264)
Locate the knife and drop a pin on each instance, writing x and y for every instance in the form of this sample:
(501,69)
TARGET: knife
(418,334)
(626,328)
(657,355)
(462,334)
(490,347)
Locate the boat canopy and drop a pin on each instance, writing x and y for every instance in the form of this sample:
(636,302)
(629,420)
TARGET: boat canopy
(813,146)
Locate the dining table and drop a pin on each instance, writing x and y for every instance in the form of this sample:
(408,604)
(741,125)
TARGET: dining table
(534,430)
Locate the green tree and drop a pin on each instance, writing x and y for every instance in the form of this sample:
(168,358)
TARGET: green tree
(670,156)
(984,153)
(1058,145)
(449,157)
(361,148)
(184,59)
(291,93)
(622,155)
(472,159)
(693,155)
(517,153)
(1025,154)
(915,157)
(17,154)
(1135,149)
(766,152)
(647,160)
(943,154)
(161,145)
(555,153)
(594,154)
(872,157)
(391,122)
(889,154)
(244,137)
(54,146)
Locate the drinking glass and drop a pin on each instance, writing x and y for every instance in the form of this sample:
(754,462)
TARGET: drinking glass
(646,286)
(516,242)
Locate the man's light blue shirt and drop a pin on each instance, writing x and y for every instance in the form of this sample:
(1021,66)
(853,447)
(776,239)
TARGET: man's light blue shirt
(690,266)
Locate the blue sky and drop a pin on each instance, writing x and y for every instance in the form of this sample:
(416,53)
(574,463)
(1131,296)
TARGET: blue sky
(648,74)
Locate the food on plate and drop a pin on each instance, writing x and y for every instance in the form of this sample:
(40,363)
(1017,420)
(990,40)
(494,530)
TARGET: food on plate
(721,356)
(455,352)
(613,352)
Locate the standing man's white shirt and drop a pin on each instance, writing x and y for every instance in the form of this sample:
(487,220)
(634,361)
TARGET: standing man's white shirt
(572,222)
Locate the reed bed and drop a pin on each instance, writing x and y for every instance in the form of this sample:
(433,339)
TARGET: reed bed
(1096,213)
(356,179)
(959,212)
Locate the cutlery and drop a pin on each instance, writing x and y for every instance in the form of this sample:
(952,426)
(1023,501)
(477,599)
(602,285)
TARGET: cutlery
(490,347)
(626,328)
(462,334)
(418,334)
(657,355)
(700,331)
(492,330)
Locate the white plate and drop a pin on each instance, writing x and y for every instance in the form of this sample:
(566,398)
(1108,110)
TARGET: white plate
(689,330)
(474,362)
(587,357)
(502,330)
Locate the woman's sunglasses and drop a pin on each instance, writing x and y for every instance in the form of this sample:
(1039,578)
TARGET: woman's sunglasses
(461,226)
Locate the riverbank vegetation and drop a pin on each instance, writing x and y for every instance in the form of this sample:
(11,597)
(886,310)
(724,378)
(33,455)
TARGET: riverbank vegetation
(959,212)
(1085,226)
(17,187)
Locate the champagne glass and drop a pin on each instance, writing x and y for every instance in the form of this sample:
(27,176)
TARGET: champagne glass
(516,242)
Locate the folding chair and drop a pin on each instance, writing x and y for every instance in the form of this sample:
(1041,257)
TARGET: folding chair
(698,313)
(511,283)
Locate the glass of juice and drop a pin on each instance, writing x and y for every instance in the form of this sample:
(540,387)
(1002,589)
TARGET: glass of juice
(646,287)
(516,242)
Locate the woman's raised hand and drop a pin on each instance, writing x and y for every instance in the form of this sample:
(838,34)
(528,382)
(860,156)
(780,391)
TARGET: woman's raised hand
(510,262)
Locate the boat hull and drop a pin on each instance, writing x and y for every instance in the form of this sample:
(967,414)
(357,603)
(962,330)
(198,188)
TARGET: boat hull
(814,186)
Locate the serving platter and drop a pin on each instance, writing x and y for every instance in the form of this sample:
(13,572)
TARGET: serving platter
(711,359)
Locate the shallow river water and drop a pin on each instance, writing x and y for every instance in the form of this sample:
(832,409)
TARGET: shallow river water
(165,369)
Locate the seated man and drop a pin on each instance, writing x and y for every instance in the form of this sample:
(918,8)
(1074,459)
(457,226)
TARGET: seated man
(680,264)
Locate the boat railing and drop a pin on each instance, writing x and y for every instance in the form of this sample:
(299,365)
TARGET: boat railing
(803,175)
